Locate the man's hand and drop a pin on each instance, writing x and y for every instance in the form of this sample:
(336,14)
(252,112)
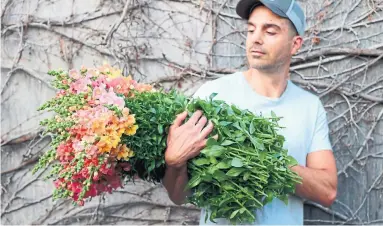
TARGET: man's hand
(185,141)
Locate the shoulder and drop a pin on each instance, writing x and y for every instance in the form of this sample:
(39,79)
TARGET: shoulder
(308,103)
(304,96)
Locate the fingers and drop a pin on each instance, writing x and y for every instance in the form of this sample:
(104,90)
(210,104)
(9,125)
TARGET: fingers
(201,123)
(207,130)
(195,117)
(203,143)
(179,119)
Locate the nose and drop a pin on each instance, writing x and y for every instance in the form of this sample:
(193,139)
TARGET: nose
(256,37)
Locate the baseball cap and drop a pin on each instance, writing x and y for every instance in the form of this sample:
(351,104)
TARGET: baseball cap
(289,9)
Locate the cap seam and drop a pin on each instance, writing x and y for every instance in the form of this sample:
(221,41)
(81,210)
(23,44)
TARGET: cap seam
(295,19)
(291,6)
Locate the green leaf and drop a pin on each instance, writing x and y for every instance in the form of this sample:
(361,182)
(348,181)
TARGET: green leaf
(273,114)
(214,121)
(257,144)
(233,214)
(211,170)
(224,123)
(168,101)
(265,135)
(217,110)
(262,155)
(223,165)
(227,143)
(269,198)
(152,166)
(230,111)
(236,162)
(246,176)
(240,139)
(226,132)
(227,186)
(213,216)
(225,201)
(285,199)
(277,155)
(214,151)
(219,175)
(211,142)
(252,128)
(234,172)
(213,160)
(160,129)
(236,125)
(207,178)
(243,125)
(291,161)
(206,217)
(236,110)
(211,97)
(201,161)
(196,180)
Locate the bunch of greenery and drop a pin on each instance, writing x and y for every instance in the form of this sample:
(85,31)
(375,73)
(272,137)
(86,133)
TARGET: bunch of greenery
(241,171)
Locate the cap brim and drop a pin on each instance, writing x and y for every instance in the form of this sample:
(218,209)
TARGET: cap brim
(244,6)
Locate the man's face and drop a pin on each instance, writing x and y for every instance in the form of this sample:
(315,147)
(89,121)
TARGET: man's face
(269,40)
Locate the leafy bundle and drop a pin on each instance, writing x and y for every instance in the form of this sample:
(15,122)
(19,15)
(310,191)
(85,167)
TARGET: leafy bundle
(243,170)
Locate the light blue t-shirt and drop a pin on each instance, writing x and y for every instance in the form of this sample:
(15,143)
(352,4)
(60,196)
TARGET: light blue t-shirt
(306,130)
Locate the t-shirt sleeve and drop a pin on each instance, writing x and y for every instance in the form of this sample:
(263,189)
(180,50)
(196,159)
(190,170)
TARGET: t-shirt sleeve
(321,139)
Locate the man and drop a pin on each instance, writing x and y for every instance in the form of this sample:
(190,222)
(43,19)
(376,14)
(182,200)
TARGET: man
(275,29)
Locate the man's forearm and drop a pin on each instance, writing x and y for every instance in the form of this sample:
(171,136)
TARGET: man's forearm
(317,185)
(175,181)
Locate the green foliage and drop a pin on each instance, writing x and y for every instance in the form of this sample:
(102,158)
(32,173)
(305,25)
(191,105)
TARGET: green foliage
(243,170)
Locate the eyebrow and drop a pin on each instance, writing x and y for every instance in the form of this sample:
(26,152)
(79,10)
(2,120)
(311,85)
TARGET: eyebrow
(266,25)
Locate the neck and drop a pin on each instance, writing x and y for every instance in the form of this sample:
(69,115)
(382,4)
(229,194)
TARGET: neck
(267,84)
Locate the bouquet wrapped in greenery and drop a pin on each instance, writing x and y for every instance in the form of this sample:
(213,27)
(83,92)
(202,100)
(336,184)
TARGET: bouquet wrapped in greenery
(108,130)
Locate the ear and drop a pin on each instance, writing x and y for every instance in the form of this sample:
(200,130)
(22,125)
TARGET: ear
(296,44)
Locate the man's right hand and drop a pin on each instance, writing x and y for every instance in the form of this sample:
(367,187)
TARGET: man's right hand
(185,140)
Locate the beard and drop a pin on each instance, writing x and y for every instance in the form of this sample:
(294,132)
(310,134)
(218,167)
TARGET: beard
(267,64)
